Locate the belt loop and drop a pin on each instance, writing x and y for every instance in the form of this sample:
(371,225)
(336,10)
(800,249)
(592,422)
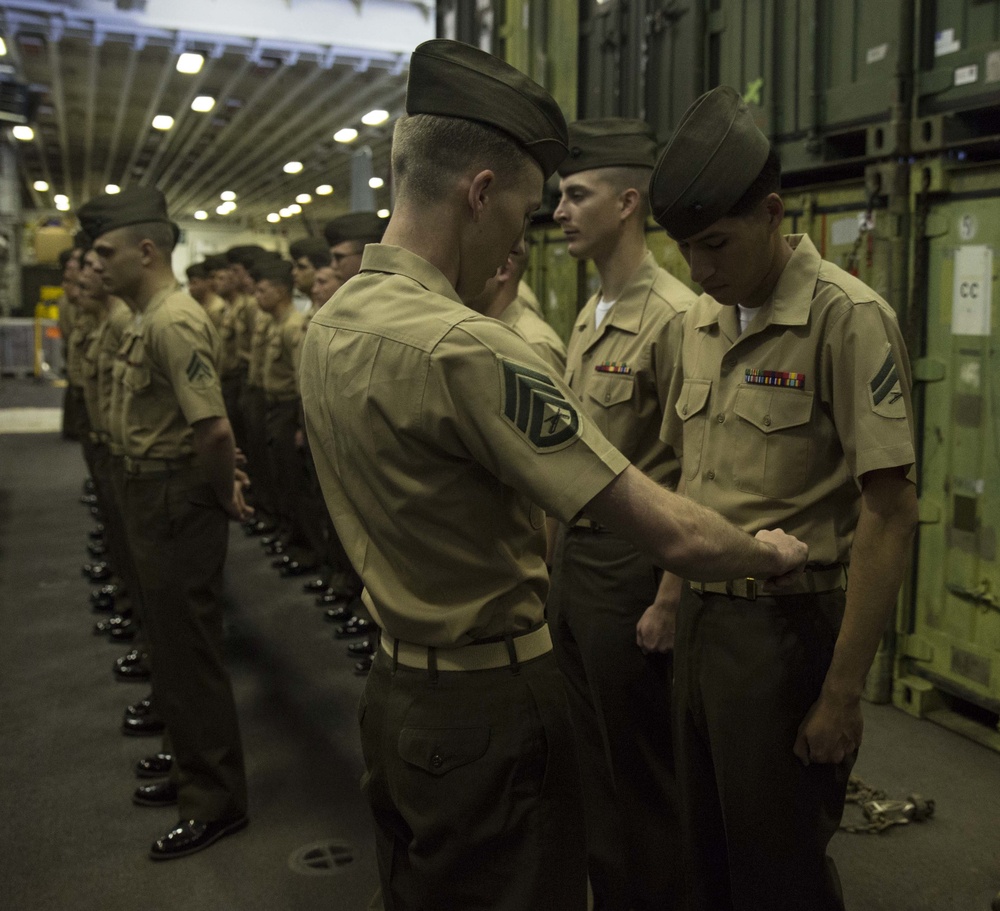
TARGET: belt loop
(515,667)
(432,663)
(395,655)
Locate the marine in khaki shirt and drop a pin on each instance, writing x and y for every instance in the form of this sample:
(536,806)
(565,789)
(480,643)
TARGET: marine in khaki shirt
(200,287)
(791,404)
(439,439)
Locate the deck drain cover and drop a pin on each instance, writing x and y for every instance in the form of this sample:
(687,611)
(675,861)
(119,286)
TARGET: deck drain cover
(324,858)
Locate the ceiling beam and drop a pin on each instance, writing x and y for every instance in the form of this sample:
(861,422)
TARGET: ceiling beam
(125,93)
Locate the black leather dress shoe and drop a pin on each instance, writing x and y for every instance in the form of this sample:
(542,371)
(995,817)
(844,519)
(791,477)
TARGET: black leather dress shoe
(356,626)
(161,794)
(155,766)
(268,540)
(105,604)
(96,533)
(314,586)
(339,614)
(274,550)
(131,669)
(364,647)
(113,622)
(125,631)
(283,560)
(140,709)
(330,597)
(295,568)
(104,591)
(130,657)
(89,499)
(97,572)
(97,548)
(362,668)
(258,527)
(148,726)
(191,835)
(88,485)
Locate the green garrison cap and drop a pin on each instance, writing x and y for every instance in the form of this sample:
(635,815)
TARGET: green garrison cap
(218,261)
(273,269)
(362,226)
(451,79)
(709,163)
(616,142)
(130,207)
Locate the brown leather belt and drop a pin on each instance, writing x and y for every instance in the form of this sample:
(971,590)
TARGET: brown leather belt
(156,466)
(477,656)
(811,581)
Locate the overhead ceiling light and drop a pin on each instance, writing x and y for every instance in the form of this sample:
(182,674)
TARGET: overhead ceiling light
(223,209)
(3,48)
(382,213)
(273,218)
(303,198)
(201,215)
(42,186)
(227,196)
(24,133)
(60,198)
(292,167)
(295,208)
(63,206)
(324,190)
(190,63)
(163,122)
(112,188)
(374,118)
(348,134)
(203,104)
(376,183)
(285,212)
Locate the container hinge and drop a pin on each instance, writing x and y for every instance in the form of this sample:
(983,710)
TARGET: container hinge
(980,596)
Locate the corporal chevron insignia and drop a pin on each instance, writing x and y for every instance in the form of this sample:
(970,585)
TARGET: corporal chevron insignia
(886,391)
(536,407)
(198,372)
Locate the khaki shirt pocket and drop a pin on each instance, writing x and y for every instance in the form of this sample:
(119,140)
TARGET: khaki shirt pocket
(136,378)
(611,389)
(774,440)
(692,409)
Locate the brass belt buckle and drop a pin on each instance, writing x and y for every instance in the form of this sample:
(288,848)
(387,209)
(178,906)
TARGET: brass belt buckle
(749,588)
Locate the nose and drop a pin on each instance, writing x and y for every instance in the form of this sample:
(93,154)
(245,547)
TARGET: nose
(701,266)
(560,213)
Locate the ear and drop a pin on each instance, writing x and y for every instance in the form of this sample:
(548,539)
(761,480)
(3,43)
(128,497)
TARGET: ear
(479,190)
(775,209)
(628,202)
(147,250)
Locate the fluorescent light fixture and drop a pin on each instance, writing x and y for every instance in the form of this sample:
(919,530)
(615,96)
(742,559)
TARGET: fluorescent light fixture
(348,134)
(24,133)
(201,215)
(227,196)
(163,122)
(273,218)
(284,213)
(295,208)
(223,209)
(376,183)
(190,63)
(203,104)
(3,48)
(374,118)
(304,198)
(324,190)
(382,213)
(42,186)
(292,167)
(60,198)
(112,188)
(63,206)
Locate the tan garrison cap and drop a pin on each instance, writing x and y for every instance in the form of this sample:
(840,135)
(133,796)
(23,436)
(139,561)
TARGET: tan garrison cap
(709,163)
(130,207)
(616,142)
(451,79)
(363,226)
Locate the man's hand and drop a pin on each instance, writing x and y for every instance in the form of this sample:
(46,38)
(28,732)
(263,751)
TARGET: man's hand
(237,507)
(831,730)
(240,457)
(790,554)
(656,627)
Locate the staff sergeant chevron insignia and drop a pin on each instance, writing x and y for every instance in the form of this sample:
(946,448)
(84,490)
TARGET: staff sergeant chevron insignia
(198,372)
(885,390)
(536,407)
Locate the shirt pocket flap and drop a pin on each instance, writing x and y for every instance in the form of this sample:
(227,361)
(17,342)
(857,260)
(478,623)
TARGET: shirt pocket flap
(439,750)
(611,389)
(773,409)
(693,398)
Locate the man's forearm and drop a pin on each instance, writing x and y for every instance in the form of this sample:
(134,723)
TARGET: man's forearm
(683,537)
(215,450)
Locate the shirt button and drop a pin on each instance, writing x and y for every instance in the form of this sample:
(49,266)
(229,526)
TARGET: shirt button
(437,761)
(684,410)
(767,420)
(607,397)
(721,419)
(710,475)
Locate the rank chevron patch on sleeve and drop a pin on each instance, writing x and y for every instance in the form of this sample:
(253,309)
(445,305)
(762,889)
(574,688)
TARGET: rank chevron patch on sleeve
(537,408)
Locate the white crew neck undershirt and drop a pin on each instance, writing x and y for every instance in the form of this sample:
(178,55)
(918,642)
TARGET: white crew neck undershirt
(601,312)
(746,315)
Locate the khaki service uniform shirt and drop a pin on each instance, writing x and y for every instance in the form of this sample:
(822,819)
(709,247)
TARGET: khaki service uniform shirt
(537,333)
(775,427)
(282,351)
(216,309)
(89,372)
(170,378)
(622,371)
(258,349)
(436,431)
(229,333)
(115,327)
(76,348)
(248,314)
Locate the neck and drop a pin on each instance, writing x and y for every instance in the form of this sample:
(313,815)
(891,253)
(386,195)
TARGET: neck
(496,306)
(281,309)
(153,282)
(779,259)
(439,246)
(619,265)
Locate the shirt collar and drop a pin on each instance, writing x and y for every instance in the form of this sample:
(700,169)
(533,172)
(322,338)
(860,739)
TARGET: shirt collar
(398,261)
(627,312)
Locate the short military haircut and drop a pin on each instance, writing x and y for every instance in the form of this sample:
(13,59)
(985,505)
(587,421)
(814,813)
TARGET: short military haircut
(621,179)
(244,255)
(214,263)
(273,269)
(768,181)
(429,152)
(162,235)
(315,249)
